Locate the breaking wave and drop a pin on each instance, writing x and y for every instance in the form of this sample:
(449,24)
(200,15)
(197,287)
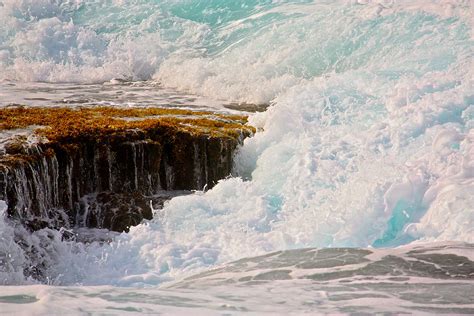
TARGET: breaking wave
(368,141)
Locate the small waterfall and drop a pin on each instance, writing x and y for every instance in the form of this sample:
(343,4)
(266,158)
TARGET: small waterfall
(107,184)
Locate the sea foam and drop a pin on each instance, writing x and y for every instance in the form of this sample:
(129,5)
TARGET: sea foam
(368,140)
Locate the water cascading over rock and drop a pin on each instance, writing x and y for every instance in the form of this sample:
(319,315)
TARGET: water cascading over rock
(102,167)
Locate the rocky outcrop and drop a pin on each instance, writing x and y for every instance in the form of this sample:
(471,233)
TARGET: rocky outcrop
(101,167)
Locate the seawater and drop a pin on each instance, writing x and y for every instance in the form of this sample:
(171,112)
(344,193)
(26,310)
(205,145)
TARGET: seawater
(368,143)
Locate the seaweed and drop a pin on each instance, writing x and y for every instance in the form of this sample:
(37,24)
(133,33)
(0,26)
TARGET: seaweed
(59,124)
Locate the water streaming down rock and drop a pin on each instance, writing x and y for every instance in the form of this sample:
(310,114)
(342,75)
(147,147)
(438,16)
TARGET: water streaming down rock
(108,182)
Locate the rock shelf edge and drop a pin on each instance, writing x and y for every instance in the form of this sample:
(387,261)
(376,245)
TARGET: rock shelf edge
(103,167)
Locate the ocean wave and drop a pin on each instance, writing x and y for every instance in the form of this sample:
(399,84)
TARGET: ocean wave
(368,141)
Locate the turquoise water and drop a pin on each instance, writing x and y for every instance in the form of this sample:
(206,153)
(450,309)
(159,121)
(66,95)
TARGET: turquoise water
(367,142)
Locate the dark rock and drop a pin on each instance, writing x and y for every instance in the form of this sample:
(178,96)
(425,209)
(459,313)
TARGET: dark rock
(106,180)
(115,211)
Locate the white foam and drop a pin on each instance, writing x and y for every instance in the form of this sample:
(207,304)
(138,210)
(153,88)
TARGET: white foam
(368,140)
(12,257)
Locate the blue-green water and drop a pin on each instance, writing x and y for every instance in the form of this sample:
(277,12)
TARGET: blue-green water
(368,141)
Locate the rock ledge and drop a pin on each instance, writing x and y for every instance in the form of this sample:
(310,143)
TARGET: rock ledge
(100,167)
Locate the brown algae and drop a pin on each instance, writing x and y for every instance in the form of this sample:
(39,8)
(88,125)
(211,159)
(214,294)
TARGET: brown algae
(59,124)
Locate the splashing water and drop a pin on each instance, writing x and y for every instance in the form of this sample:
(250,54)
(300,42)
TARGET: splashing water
(368,141)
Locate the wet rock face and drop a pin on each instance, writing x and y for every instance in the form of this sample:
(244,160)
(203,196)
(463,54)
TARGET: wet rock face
(115,211)
(107,180)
